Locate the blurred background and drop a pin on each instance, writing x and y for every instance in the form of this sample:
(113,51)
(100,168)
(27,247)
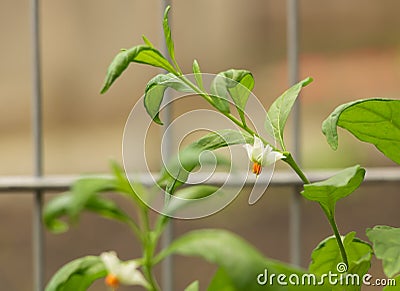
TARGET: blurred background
(350,48)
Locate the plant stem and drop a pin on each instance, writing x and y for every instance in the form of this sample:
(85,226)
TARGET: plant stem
(148,248)
(148,264)
(331,218)
(332,222)
(292,163)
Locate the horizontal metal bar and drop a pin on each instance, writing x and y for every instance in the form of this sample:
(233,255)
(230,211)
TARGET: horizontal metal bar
(47,183)
(280,178)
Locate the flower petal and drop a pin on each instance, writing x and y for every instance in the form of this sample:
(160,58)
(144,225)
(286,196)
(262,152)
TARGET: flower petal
(258,143)
(271,157)
(249,150)
(263,159)
(129,275)
(110,261)
(258,149)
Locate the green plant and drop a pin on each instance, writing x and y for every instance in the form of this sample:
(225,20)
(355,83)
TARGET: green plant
(241,267)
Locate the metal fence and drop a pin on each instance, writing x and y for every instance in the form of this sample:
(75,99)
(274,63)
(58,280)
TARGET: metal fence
(38,185)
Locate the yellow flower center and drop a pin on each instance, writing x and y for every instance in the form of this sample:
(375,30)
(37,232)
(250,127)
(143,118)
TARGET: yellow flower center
(112,281)
(257,168)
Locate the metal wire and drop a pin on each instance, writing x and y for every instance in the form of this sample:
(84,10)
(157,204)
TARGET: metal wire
(37,228)
(167,275)
(27,184)
(293,69)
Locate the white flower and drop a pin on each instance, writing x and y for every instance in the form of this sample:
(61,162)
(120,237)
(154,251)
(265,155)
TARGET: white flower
(125,273)
(261,155)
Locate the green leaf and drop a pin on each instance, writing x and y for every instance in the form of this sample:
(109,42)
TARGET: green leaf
(188,159)
(386,242)
(328,192)
(56,208)
(239,84)
(184,196)
(197,75)
(167,34)
(240,262)
(143,54)
(83,196)
(278,113)
(193,287)
(122,183)
(226,250)
(84,189)
(147,41)
(77,275)
(234,83)
(61,206)
(219,93)
(123,186)
(326,258)
(392,284)
(107,209)
(376,121)
(221,282)
(155,89)
(222,138)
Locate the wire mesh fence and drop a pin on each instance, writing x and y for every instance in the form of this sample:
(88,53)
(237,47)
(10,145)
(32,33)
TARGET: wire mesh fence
(37,184)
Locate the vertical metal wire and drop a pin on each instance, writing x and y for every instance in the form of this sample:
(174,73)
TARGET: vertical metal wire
(167,279)
(293,74)
(37,228)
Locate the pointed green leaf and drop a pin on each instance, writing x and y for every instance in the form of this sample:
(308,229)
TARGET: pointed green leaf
(328,192)
(326,258)
(147,41)
(177,170)
(77,275)
(155,89)
(234,83)
(223,138)
(82,197)
(84,189)
(221,282)
(376,121)
(278,113)
(56,208)
(186,195)
(107,209)
(123,186)
(219,94)
(239,84)
(167,34)
(188,159)
(197,75)
(241,263)
(143,54)
(60,206)
(386,242)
